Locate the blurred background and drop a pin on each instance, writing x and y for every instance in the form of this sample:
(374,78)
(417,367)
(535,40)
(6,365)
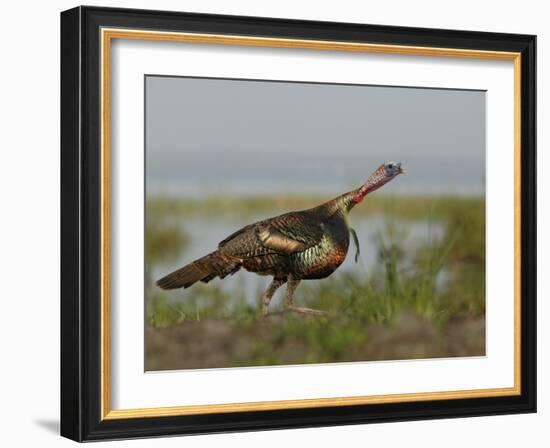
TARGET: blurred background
(221,154)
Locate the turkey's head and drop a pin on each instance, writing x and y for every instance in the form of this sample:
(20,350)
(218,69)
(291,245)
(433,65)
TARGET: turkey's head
(383,174)
(392,169)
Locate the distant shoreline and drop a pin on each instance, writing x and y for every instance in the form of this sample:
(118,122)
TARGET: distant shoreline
(399,205)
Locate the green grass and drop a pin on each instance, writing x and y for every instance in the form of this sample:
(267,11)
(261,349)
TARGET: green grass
(355,302)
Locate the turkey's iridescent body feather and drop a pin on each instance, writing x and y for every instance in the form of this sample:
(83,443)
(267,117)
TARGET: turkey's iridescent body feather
(321,245)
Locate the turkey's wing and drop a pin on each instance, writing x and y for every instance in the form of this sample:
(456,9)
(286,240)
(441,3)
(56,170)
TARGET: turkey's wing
(290,233)
(277,241)
(284,234)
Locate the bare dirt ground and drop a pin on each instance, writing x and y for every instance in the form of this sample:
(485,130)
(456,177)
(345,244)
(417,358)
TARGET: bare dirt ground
(221,343)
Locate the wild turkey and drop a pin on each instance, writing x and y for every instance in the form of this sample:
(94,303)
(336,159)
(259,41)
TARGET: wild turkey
(307,244)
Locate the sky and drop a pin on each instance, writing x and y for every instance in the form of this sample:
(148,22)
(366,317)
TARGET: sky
(235,137)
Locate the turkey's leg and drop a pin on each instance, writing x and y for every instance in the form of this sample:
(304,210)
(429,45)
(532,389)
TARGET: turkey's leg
(268,294)
(289,300)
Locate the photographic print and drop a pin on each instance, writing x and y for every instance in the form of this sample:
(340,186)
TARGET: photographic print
(254,207)
(296,223)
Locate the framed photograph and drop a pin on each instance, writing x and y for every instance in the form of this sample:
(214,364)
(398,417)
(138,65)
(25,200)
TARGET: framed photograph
(272,223)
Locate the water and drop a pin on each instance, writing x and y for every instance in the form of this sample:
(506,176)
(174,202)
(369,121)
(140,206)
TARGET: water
(206,232)
(239,174)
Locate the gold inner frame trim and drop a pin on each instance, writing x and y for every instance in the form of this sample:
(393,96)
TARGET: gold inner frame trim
(107,35)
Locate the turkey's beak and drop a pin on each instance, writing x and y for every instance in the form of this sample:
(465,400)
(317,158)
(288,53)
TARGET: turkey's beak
(401,170)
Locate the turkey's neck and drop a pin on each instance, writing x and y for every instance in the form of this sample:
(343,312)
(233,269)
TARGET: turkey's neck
(345,202)
(341,204)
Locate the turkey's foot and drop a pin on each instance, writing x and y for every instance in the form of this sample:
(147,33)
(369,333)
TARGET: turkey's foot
(303,310)
(289,300)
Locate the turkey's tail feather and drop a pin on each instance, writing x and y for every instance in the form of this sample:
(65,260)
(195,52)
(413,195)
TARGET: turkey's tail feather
(204,269)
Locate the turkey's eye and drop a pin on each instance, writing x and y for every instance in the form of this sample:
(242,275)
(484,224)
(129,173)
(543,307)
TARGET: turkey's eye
(390,166)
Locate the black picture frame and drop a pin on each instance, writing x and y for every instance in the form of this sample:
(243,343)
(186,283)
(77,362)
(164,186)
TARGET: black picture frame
(81,224)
